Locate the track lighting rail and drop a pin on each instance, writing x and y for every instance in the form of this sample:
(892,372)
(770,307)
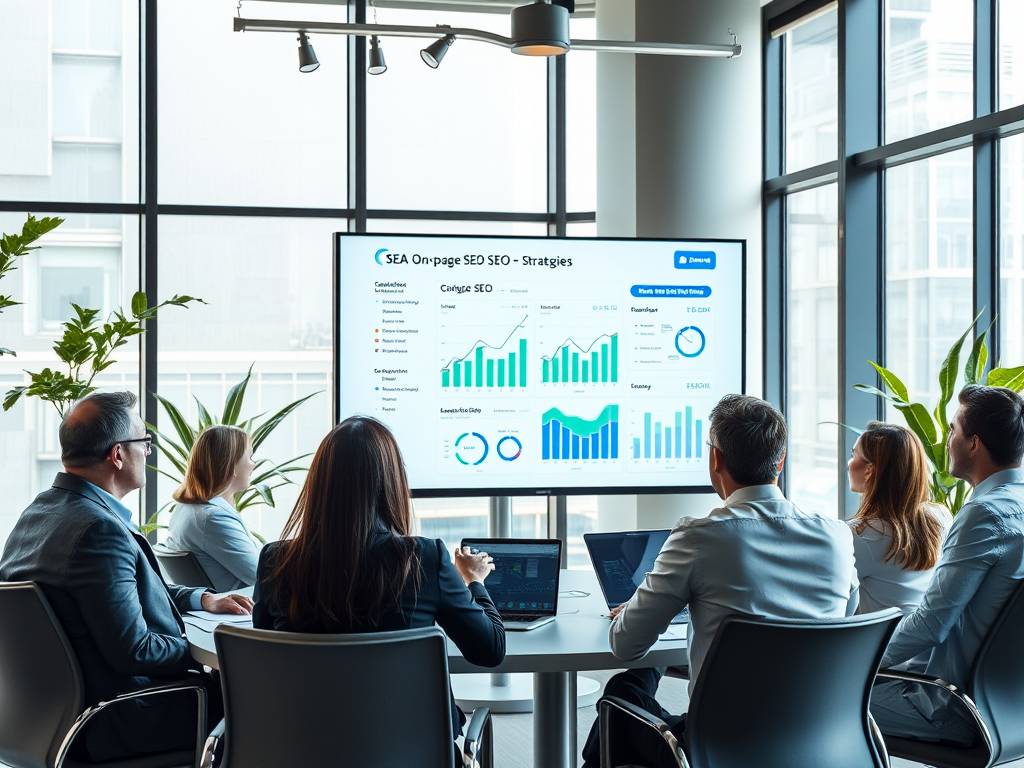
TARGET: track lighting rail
(465,33)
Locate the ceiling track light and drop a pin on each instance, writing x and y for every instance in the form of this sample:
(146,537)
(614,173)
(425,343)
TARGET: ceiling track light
(377,65)
(434,52)
(541,29)
(532,26)
(307,57)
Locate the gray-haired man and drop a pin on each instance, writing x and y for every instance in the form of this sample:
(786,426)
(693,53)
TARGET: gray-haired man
(78,543)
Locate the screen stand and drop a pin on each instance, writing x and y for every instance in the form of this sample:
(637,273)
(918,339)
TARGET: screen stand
(502,692)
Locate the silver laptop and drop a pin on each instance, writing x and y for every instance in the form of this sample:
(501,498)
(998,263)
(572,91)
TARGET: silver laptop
(622,560)
(524,582)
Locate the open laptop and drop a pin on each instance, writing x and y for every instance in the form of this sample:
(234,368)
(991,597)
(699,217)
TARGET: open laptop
(622,560)
(524,582)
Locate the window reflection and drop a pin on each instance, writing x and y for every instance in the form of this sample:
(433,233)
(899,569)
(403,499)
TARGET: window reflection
(812,92)
(928,267)
(812,339)
(929,65)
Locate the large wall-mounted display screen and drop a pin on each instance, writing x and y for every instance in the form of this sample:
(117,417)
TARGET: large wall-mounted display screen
(512,366)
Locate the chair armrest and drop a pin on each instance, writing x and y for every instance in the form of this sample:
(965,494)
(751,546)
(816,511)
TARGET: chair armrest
(956,693)
(211,745)
(156,690)
(879,741)
(605,708)
(478,748)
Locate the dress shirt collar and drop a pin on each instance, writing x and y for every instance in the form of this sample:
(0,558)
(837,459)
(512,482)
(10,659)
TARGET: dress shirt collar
(754,493)
(218,501)
(998,478)
(113,504)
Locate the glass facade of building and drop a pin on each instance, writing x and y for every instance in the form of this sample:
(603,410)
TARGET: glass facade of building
(253,178)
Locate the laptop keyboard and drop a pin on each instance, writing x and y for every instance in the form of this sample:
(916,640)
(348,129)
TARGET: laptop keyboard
(526,618)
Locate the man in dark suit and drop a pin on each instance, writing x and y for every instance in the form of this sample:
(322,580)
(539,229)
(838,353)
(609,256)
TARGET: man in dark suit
(78,543)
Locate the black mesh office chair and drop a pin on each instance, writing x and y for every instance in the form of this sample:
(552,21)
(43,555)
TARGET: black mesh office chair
(182,568)
(41,701)
(375,700)
(778,694)
(994,697)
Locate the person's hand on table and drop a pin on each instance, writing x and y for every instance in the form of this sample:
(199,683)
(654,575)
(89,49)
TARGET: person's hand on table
(473,566)
(236,604)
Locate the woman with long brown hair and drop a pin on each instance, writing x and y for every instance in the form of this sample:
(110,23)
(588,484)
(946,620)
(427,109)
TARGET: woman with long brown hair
(348,560)
(205,521)
(898,532)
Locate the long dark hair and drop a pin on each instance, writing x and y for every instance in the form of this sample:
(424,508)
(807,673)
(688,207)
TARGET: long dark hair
(355,493)
(898,494)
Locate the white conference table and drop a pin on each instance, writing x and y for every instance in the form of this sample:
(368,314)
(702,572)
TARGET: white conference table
(576,641)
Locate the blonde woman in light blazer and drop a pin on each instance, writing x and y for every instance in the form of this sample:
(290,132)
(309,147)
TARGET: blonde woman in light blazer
(205,522)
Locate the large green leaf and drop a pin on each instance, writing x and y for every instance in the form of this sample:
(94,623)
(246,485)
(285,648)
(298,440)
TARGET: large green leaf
(176,478)
(186,434)
(161,441)
(974,368)
(892,381)
(922,425)
(947,376)
(1012,378)
(879,393)
(205,419)
(263,430)
(233,403)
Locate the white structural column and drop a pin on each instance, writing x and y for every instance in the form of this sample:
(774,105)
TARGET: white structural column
(679,155)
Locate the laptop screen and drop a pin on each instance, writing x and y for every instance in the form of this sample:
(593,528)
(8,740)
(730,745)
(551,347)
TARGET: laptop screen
(525,575)
(621,560)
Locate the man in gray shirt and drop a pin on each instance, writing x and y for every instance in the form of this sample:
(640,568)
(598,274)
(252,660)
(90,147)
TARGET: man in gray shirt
(757,555)
(981,563)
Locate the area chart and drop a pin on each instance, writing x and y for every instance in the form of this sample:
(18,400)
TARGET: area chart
(572,437)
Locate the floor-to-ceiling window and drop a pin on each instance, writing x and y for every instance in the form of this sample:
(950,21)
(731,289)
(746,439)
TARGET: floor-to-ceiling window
(252,174)
(916,211)
(810,52)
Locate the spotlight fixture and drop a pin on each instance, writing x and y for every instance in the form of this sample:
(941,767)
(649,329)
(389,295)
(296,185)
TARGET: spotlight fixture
(434,52)
(377,65)
(540,29)
(307,58)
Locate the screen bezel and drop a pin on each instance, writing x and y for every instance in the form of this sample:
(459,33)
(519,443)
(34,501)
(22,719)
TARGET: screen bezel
(574,490)
(472,541)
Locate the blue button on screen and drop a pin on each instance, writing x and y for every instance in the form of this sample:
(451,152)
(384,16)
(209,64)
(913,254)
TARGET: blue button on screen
(670,291)
(695,259)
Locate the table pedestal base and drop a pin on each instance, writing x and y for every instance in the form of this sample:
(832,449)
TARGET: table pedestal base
(472,691)
(554,720)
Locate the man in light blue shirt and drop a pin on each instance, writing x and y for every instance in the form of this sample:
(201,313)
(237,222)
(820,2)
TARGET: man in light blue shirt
(981,563)
(757,555)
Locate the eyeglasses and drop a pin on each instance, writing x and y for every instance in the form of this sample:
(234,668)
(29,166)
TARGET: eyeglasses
(712,445)
(147,443)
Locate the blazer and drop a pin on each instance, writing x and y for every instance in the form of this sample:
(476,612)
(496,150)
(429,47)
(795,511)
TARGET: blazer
(103,582)
(215,533)
(467,615)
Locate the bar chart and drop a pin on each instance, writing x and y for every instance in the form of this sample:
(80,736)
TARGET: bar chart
(677,436)
(565,436)
(573,363)
(489,366)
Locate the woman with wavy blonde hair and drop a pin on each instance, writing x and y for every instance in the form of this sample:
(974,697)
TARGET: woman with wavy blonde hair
(898,532)
(205,521)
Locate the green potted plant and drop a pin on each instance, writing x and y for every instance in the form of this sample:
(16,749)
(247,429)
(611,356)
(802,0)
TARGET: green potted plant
(86,348)
(932,427)
(13,247)
(266,477)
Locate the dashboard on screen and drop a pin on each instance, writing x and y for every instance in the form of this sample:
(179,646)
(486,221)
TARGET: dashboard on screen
(514,366)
